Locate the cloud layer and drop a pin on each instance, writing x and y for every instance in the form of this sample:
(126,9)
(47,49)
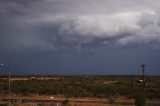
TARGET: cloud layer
(56,24)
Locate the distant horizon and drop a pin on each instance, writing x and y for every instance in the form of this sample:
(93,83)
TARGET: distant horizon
(79,74)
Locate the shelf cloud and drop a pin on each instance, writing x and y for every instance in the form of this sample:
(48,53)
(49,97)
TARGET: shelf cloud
(58,24)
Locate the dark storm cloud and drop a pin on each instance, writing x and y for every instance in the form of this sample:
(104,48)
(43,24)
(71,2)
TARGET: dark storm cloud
(30,30)
(58,24)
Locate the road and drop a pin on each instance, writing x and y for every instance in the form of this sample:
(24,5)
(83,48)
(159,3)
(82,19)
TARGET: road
(92,101)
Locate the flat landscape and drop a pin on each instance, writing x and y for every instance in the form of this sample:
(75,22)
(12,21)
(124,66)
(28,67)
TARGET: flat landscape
(81,88)
(79,52)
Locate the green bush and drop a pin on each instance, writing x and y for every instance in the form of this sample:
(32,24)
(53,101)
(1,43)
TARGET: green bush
(65,102)
(140,100)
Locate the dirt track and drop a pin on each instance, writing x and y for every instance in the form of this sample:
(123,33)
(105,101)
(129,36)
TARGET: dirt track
(83,101)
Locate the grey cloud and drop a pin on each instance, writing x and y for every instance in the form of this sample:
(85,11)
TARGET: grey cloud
(118,28)
(43,36)
(78,24)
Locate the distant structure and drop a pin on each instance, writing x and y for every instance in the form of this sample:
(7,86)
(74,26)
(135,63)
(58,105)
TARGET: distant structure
(32,78)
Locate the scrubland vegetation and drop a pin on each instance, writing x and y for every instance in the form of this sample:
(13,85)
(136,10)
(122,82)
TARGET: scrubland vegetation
(84,86)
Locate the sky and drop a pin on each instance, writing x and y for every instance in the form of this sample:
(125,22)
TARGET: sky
(95,37)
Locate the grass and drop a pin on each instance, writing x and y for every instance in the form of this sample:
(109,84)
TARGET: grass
(81,86)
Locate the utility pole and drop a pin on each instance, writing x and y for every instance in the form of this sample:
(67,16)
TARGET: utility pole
(143,75)
(9,80)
